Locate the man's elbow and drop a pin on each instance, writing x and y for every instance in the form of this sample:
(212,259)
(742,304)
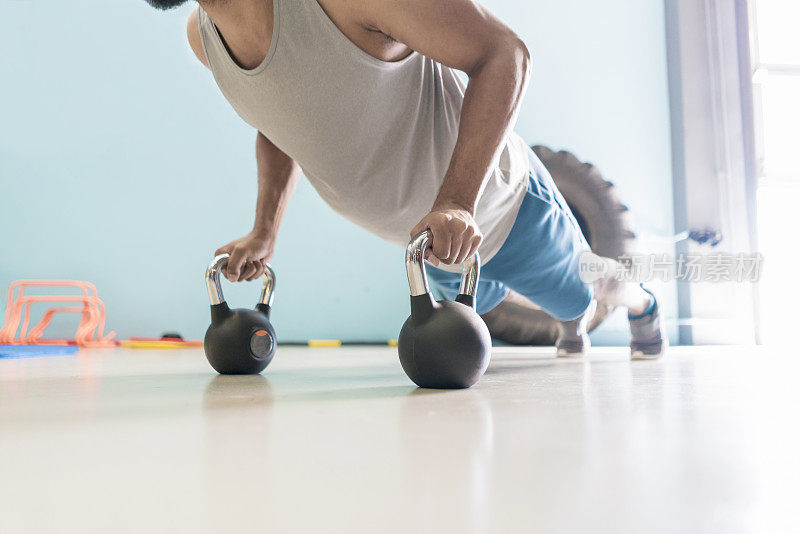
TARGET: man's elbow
(508,54)
(521,57)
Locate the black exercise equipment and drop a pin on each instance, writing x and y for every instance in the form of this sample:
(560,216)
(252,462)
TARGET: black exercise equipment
(445,344)
(241,341)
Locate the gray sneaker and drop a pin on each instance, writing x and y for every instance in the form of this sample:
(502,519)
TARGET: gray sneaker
(648,339)
(573,341)
(576,347)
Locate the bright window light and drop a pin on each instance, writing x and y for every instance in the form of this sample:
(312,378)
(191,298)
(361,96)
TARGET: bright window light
(776,86)
(778,41)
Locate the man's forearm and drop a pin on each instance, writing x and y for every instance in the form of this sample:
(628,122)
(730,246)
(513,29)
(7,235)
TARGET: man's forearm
(278,175)
(491,103)
(277,178)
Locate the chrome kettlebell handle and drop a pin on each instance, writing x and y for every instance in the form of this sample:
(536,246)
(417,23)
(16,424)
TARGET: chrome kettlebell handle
(215,289)
(415,268)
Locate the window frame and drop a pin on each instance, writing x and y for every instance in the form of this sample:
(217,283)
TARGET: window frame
(714,165)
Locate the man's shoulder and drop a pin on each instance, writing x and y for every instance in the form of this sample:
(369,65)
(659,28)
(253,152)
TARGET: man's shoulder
(193,35)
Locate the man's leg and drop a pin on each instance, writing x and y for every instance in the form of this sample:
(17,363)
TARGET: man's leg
(573,336)
(648,338)
(541,258)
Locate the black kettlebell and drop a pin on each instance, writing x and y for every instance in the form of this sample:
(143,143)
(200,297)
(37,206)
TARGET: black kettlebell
(241,341)
(445,344)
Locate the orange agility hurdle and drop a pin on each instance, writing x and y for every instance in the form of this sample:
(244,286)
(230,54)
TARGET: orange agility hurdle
(90,329)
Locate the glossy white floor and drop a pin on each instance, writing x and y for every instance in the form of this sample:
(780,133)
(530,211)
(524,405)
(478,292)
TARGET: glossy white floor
(338,440)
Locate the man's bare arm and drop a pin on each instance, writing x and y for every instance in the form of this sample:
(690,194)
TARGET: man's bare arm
(278,175)
(463,35)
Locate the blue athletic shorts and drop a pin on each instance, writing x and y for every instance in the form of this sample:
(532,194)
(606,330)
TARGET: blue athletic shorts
(539,259)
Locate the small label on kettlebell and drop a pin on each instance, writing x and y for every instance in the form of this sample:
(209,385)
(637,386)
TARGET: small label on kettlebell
(260,343)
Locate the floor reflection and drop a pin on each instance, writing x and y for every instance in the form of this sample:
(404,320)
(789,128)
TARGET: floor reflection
(446,439)
(329,440)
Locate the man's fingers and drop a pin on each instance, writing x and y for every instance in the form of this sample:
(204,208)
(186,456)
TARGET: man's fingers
(465,244)
(455,247)
(251,271)
(223,250)
(235,264)
(474,244)
(260,267)
(469,249)
(431,258)
(441,244)
(418,229)
(248,270)
(455,236)
(463,252)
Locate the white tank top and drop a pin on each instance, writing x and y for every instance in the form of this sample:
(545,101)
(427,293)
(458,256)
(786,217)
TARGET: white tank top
(374,138)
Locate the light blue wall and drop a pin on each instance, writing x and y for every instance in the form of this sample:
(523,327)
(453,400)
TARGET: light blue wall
(120,162)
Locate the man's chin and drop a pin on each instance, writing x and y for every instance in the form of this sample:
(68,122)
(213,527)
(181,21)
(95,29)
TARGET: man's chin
(166,4)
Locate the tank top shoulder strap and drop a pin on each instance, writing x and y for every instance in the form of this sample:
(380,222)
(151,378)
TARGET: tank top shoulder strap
(216,53)
(219,59)
(300,26)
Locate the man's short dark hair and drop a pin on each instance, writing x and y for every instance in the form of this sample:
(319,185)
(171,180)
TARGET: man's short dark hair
(166,4)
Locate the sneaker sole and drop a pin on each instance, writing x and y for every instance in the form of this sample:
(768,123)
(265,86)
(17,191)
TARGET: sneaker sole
(639,355)
(561,353)
(642,356)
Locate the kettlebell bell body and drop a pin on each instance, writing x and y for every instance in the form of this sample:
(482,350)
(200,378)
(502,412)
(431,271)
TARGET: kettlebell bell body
(445,344)
(239,341)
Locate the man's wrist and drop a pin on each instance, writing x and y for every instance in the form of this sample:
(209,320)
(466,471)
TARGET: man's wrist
(262,232)
(447,203)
